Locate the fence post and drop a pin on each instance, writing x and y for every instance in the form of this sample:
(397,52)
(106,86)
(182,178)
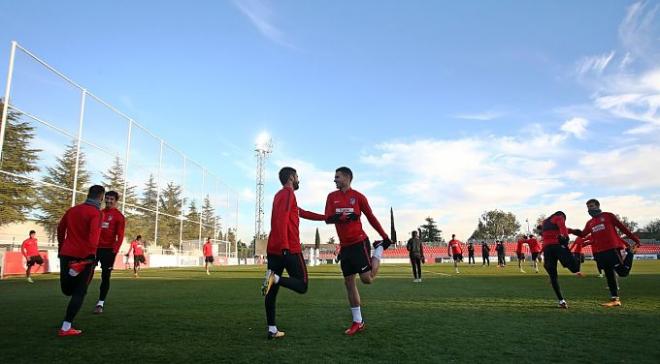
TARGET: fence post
(81,121)
(126,158)
(5,104)
(160,167)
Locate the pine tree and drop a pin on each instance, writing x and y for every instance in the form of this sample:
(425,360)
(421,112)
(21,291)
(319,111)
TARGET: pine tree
(430,232)
(114,181)
(191,225)
(317,239)
(53,202)
(17,195)
(170,203)
(208,218)
(145,216)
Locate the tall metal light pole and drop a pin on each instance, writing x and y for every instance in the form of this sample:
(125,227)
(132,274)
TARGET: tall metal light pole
(263,148)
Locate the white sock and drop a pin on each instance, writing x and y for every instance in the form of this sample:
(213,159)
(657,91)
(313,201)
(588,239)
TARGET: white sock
(277,278)
(562,301)
(357,314)
(272,329)
(378,253)
(100,303)
(66,325)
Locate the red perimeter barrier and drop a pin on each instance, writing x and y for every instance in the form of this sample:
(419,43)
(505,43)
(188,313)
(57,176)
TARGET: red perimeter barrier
(13,263)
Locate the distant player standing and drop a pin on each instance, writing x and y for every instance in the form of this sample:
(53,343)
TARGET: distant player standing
(520,254)
(455,251)
(416,252)
(607,247)
(576,249)
(555,249)
(284,249)
(78,236)
(470,249)
(501,257)
(485,253)
(138,254)
(208,254)
(112,236)
(30,251)
(344,208)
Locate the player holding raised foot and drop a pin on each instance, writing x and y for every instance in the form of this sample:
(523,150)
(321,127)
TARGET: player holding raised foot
(607,247)
(77,237)
(30,251)
(535,250)
(138,254)
(455,250)
(344,208)
(208,255)
(112,236)
(284,250)
(555,249)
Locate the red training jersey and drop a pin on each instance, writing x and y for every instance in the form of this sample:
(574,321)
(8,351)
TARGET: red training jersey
(112,229)
(29,248)
(136,247)
(455,246)
(603,232)
(519,246)
(79,230)
(557,225)
(534,245)
(208,249)
(351,202)
(285,223)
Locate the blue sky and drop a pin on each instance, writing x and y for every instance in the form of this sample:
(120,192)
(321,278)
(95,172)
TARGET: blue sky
(443,109)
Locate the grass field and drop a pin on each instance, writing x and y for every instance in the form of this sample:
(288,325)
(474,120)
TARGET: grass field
(481,315)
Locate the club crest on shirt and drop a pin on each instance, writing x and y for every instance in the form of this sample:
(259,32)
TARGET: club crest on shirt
(352,201)
(602,219)
(110,218)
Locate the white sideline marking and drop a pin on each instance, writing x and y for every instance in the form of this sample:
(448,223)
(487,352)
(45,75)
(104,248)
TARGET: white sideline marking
(438,273)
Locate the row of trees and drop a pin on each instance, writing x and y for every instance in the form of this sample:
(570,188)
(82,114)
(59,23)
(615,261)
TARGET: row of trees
(21,198)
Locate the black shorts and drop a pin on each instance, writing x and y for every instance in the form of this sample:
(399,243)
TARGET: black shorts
(139,259)
(521,256)
(557,252)
(293,263)
(608,259)
(75,284)
(208,259)
(105,256)
(35,259)
(356,258)
(458,257)
(535,256)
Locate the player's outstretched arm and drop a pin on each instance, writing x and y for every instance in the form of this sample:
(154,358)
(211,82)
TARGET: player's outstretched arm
(308,215)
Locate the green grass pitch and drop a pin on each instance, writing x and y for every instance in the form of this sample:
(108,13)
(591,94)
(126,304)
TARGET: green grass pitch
(480,315)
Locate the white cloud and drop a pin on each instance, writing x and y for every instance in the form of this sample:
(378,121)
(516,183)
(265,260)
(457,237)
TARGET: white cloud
(628,168)
(481,116)
(262,16)
(576,126)
(638,31)
(595,64)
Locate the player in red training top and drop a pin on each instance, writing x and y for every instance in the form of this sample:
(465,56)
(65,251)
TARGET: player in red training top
(138,254)
(555,249)
(607,246)
(78,237)
(520,253)
(208,254)
(576,249)
(455,250)
(284,251)
(535,250)
(30,251)
(112,236)
(343,208)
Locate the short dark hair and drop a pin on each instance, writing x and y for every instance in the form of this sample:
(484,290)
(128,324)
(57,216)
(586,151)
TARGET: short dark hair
(453,236)
(285,174)
(414,233)
(96,191)
(112,194)
(138,237)
(346,172)
(32,232)
(593,200)
(560,213)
